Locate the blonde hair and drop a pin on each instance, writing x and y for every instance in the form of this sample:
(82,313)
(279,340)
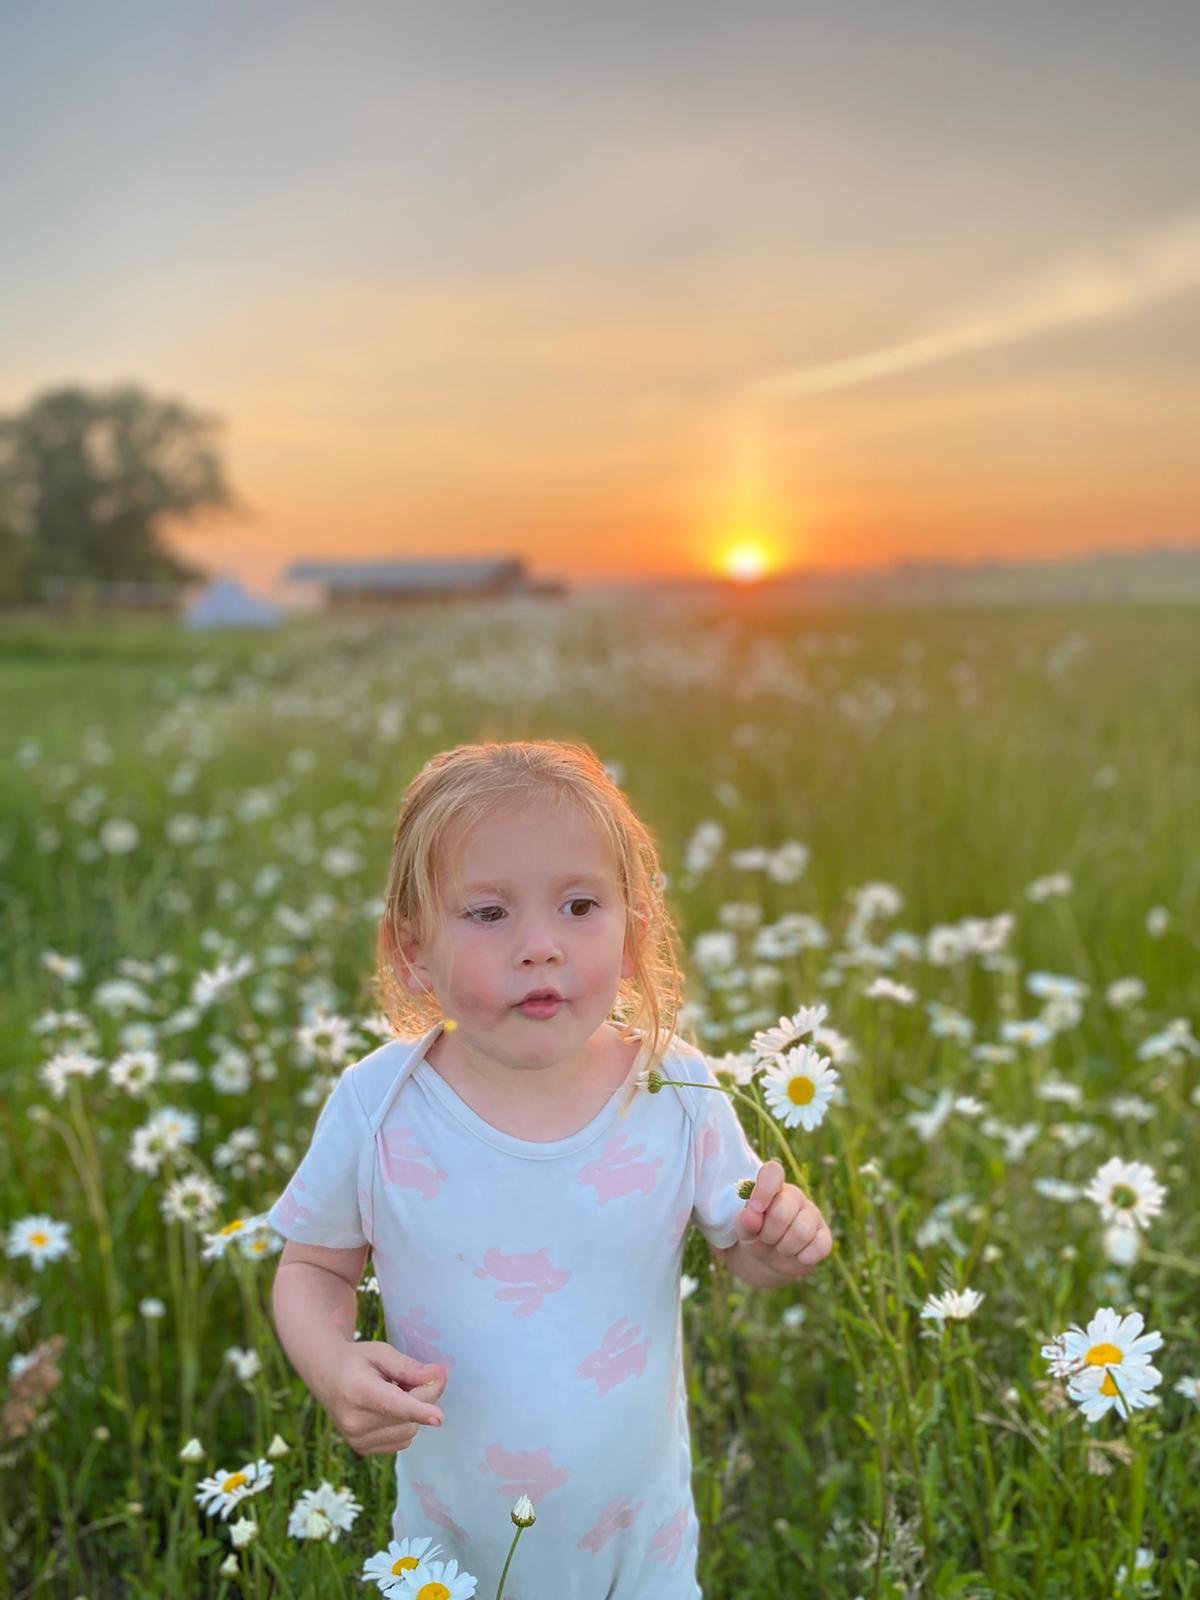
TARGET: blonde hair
(461,786)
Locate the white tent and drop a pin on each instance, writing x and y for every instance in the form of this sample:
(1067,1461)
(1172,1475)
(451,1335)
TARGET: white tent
(226,604)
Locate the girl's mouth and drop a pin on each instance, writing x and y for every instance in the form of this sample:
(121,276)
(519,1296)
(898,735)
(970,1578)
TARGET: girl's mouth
(540,1007)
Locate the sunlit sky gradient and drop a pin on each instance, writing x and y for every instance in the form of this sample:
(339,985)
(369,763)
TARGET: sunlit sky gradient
(618,287)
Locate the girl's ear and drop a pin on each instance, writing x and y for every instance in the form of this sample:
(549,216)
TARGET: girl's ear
(404,952)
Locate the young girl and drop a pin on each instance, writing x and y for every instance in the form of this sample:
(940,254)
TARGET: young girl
(524,1198)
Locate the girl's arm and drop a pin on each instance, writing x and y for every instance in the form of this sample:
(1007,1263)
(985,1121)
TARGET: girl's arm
(376,1395)
(315,1302)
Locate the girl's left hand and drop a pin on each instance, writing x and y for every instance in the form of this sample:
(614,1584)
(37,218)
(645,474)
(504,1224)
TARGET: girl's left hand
(780,1226)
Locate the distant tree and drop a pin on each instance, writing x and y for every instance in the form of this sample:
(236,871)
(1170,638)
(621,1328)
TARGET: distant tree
(88,482)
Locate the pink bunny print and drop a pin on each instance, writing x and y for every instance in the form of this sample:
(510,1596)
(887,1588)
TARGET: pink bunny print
(531,1277)
(419,1339)
(616,1358)
(403,1166)
(617,1171)
(528,1472)
(618,1514)
(290,1209)
(436,1511)
(668,1541)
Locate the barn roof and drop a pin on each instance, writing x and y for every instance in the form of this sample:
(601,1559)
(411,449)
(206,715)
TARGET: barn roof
(406,574)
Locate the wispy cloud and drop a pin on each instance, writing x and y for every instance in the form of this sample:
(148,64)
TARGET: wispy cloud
(1102,286)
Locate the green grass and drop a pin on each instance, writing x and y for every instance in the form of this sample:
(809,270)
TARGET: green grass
(956,755)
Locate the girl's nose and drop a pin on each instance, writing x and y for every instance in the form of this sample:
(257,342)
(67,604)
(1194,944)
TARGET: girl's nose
(539,944)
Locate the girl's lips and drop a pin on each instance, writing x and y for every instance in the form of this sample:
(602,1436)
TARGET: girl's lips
(540,1008)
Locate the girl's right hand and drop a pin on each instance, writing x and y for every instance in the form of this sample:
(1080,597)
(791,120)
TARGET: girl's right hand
(379,1397)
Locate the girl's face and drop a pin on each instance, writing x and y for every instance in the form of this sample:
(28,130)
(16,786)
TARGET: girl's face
(530,900)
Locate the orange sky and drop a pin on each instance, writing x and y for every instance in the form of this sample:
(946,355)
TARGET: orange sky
(617,295)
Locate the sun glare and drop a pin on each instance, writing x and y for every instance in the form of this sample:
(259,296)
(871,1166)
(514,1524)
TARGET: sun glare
(746,562)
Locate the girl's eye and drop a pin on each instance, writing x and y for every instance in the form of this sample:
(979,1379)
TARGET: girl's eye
(480,913)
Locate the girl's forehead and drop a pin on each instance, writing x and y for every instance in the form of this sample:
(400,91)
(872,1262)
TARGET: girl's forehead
(531,839)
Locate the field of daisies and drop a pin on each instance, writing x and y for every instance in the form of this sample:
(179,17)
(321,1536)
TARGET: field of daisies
(937,882)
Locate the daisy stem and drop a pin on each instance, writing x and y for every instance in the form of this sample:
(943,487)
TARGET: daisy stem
(90,1173)
(512,1549)
(969,1481)
(1180,1263)
(1137,1480)
(776,1131)
(977,1403)
(272,1566)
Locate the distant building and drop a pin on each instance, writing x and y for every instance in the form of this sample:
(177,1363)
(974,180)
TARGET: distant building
(226,604)
(387,585)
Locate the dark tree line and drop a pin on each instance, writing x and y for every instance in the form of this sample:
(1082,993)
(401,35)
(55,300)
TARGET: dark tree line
(90,480)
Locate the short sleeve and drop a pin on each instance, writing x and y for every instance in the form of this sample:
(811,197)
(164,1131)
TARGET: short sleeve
(722,1156)
(327,1201)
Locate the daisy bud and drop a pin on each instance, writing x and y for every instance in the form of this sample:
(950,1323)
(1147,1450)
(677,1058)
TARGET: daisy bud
(242,1532)
(745,1189)
(193,1450)
(523,1514)
(278,1447)
(229,1567)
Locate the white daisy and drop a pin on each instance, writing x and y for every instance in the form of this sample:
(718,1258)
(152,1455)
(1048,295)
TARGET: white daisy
(882,988)
(208,985)
(1124,992)
(387,1567)
(246,1363)
(955,1305)
(1126,1193)
(225,1490)
(134,1071)
(323,1513)
(1031,1031)
(438,1580)
(772,1041)
(1107,1364)
(799,1086)
(216,1244)
(1189,1387)
(929,1123)
(243,1532)
(68,1064)
(192,1198)
(40,1238)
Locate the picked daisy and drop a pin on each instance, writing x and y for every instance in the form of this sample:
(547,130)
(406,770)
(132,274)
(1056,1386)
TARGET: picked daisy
(773,1041)
(1107,1363)
(323,1513)
(40,1238)
(799,1086)
(1126,1193)
(388,1567)
(437,1580)
(225,1490)
(956,1305)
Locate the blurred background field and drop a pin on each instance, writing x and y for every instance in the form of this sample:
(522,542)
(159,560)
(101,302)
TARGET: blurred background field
(194,831)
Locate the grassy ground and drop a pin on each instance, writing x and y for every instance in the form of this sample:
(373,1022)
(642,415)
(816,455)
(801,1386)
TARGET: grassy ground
(844,1444)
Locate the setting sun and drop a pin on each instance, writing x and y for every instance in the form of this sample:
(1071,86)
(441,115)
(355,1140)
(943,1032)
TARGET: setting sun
(746,562)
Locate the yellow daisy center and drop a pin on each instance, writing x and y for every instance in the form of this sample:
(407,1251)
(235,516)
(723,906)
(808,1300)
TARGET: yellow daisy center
(39,1239)
(801,1090)
(433,1591)
(235,1480)
(232,1227)
(1108,1386)
(405,1564)
(1105,1355)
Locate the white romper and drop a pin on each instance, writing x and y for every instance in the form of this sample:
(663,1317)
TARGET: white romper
(546,1277)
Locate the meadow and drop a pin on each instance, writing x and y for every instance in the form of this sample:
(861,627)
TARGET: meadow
(972,835)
